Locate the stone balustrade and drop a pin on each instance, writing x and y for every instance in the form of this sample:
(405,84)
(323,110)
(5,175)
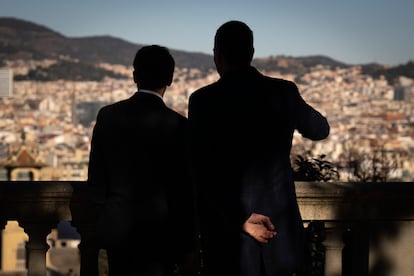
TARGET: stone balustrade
(361,228)
(352,228)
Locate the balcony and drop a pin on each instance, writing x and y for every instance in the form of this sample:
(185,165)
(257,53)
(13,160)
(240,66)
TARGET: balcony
(352,228)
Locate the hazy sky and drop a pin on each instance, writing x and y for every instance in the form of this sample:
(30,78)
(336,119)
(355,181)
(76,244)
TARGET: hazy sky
(351,31)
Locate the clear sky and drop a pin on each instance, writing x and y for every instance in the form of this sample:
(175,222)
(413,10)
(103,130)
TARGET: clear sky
(351,31)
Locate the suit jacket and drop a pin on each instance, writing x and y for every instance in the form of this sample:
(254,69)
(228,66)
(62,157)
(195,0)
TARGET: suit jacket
(139,179)
(241,137)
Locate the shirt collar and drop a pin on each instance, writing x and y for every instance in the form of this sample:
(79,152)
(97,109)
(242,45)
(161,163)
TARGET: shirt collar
(150,92)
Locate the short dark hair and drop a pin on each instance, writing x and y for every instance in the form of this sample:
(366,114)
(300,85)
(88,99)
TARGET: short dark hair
(153,67)
(234,39)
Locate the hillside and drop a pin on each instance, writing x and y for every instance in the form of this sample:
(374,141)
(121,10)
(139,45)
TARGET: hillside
(21,39)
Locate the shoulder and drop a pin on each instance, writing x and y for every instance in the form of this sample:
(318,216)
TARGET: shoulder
(110,110)
(203,91)
(282,83)
(114,106)
(285,88)
(204,95)
(176,115)
(173,118)
(173,122)
(271,83)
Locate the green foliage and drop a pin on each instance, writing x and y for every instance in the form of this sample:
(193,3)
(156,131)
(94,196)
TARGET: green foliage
(307,168)
(67,70)
(390,73)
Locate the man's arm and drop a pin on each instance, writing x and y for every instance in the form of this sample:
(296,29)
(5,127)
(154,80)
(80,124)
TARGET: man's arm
(310,122)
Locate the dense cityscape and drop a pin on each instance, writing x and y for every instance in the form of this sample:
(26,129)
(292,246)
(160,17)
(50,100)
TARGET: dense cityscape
(371,119)
(347,58)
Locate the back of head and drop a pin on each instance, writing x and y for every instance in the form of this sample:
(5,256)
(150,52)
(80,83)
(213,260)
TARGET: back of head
(153,67)
(234,39)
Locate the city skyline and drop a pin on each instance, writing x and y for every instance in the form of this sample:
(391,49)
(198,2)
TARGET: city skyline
(354,32)
(368,115)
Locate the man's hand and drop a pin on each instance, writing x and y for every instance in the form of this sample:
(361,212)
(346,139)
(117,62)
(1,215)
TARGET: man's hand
(259,227)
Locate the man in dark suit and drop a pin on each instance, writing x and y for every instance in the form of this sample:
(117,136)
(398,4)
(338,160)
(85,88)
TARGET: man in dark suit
(241,136)
(138,175)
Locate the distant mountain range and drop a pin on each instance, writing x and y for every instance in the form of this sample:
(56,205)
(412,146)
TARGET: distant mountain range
(77,56)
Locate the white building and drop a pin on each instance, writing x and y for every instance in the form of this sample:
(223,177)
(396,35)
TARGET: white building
(6,82)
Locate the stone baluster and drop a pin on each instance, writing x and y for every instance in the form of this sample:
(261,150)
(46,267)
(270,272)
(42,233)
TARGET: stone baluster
(37,246)
(315,251)
(2,226)
(333,250)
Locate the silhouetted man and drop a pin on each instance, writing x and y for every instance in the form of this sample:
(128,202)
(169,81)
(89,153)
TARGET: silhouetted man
(138,175)
(241,136)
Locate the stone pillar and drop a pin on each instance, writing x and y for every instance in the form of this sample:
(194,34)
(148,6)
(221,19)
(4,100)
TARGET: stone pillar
(2,225)
(333,251)
(37,246)
(315,250)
